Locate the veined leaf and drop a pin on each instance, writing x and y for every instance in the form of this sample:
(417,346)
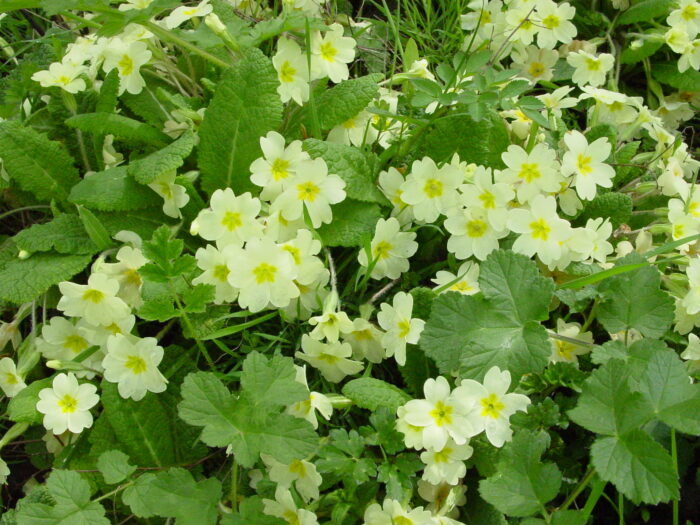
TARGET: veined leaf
(118,125)
(113,190)
(171,157)
(65,234)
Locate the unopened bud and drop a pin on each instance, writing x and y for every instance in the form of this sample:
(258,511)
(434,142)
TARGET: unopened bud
(194,227)
(214,23)
(23,254)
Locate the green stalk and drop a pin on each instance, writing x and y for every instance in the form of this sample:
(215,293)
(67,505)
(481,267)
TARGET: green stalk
(169,36)
(674,458)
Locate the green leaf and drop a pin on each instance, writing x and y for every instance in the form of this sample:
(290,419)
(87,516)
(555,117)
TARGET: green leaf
(65,234)
(249,429)
(648,48)
(22,281)
(95,229)
(347,99)
(607,351)
(73,506)
(614,206)
(446,137)
(38,165)
(352,165)
(118,125)
(353,223)
(251,511)
(165,256)
(147,430)
(197,299)
(666,386)
(113,190)
(607,405)
(499,328)
(109,93)
(114,466)
(244,108)
(371,393)
(22,407)
(271,383)
(639,467)
(645,11)
(171,157)
(667,73)
(635,300)
(523,483)
(174,493)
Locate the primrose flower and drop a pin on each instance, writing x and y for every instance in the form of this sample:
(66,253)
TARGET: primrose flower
(331,52)
(135,4)
(390,182)
(330,359)
(64,340)
(306,409)
(566,351)
(185,12)
(4,472)
(520,21)
(534,63)
(276,170)
(302,473)
(691,354)
(366,341)
(555,20)
(491,406)
(586,162)
(430,190)
(390,249)
(283,506)
(174,196)
(330,325)
(691,301)
(391,512)
(400,328)
(590,69)
(126,273)
(231,220)
(96,301)
(687,15)
(467,279)
(264,274)
(304,250)
(442,415)
(472,233)
(541,230)
(493,197)
(132,363)
(66,405)
(534,173)
(215,268)
(292,71)
(447,464)
(63,75)
(558,100)
(127,58)
(10,382)
(314,189)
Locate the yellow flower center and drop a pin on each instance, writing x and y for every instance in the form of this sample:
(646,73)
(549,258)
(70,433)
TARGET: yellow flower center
(125,65)
(433,188)
(442,414)
(94,296)
(11,379)
(693,208)
(382,250)
(287,72)
(402,520)
(279,169)
(308,191)
(488,200)
(615,106)
(231,220)
(583,164)
(291,517)
(689,12)
(114,329)
(443,456)
(294,252)
(63,79)
(461,286)
(265,273)
(404,328)
(678,231)
(363,335)
(491,406)
(551,21)
(485,17)
(298,468)
(136,364)
(328,358)
(476,228)
(75,343)
(132,277)
(350,124)
(328,52)
(593,64)
(221,272)
(165,190)
(565,349)
(68,404)
(529,171)
(536,69)
(540,229)
(526,24)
